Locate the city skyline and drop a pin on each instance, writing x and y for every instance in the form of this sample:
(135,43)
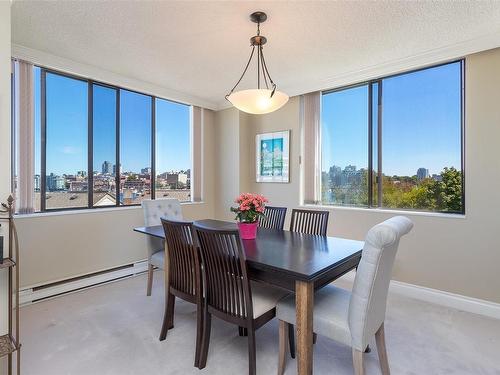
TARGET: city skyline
(430,173)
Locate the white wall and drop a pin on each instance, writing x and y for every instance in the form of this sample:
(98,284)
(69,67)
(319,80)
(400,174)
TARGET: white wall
(64,245)
(227,156)
(456,254)
(4,149)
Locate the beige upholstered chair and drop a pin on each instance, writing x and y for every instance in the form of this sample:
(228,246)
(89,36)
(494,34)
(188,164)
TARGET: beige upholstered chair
(154,210)
(353,318)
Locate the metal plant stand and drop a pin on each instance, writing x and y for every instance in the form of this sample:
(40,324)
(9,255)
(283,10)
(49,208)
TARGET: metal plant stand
(9,343)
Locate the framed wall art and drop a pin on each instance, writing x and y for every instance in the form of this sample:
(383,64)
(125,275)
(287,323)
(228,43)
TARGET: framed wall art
(272,151)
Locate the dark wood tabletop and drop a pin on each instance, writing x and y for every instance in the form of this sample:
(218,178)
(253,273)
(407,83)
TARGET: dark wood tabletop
(282,257)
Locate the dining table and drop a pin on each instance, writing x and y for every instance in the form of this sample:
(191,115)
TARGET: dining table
(296,262)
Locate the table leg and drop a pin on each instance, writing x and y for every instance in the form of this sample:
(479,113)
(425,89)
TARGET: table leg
(304,302)
(166,267)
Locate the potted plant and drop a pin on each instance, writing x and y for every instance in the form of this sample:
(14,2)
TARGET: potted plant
(250,208)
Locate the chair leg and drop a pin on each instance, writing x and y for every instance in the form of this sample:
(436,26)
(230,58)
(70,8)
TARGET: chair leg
(382,351)
(359,365)
(207,326)
(252,360)
(291,339)
(150,280)
(283,342)
(199,335)
(242,331)
(168,316)
(171,307)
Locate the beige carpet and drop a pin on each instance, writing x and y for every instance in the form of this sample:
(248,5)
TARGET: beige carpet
(113,330)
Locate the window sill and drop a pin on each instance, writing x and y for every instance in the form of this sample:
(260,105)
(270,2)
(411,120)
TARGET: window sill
(90,210)
(387,211)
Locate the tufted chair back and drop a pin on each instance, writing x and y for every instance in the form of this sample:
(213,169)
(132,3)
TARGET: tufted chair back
(154,210)
(371,285)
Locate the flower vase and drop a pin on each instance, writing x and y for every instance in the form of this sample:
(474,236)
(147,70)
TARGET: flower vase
(248,231)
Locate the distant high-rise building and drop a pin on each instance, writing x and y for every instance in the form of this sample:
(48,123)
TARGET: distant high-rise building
(422,174)
(55,182)
(437,177)
(37,182)
(146,170)
(176,178)
(107,167)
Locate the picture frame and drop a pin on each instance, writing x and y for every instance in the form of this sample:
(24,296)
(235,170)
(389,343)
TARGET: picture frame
(272,157)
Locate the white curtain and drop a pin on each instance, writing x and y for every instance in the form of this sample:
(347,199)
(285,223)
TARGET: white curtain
(24,135)
(310,108)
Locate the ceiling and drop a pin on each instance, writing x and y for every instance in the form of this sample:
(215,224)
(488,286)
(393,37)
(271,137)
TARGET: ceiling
(200,48)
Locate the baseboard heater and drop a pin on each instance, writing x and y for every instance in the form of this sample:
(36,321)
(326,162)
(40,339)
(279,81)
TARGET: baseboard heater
(42,292)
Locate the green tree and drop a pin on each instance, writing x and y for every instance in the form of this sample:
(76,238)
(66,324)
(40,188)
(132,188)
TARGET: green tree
(449,191)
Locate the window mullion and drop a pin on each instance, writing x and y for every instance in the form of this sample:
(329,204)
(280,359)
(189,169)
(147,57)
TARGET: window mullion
(43,139)
(90,144)
(379,145)
(117,146)
(152,178)
(370,144)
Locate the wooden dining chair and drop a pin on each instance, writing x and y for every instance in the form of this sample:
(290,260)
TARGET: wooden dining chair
(274,218)
(353,318)
(309,222)
(229,294)
(184,276)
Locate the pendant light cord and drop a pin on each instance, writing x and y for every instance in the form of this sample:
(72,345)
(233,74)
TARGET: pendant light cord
(268,75)
(246,68)
(261,65)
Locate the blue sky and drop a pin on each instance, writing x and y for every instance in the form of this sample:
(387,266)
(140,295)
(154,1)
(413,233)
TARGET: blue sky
(421,125)
(420,119)
(67,137)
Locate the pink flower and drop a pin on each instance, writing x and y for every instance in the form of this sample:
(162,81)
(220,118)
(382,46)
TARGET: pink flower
(251,202)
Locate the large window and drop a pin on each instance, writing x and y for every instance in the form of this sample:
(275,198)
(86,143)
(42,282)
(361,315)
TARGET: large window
(396,142)
(173,154)
(135,147)
(104,128)
(344,151)
(98,145)
(65,149)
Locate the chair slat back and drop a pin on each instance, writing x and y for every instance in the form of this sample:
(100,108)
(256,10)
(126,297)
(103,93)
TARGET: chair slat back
(225,271)
(274,218)
(183,257)
(309,222)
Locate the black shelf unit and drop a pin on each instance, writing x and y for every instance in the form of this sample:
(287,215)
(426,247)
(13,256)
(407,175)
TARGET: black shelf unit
(9,342)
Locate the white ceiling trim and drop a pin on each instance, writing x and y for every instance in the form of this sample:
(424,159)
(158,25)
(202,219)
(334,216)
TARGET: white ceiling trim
(62,64)
(428,58)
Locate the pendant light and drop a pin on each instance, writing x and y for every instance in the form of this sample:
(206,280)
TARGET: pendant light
(260,100)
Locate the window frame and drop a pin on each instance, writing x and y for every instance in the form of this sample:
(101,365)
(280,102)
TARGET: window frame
(379,159)
(90,127)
